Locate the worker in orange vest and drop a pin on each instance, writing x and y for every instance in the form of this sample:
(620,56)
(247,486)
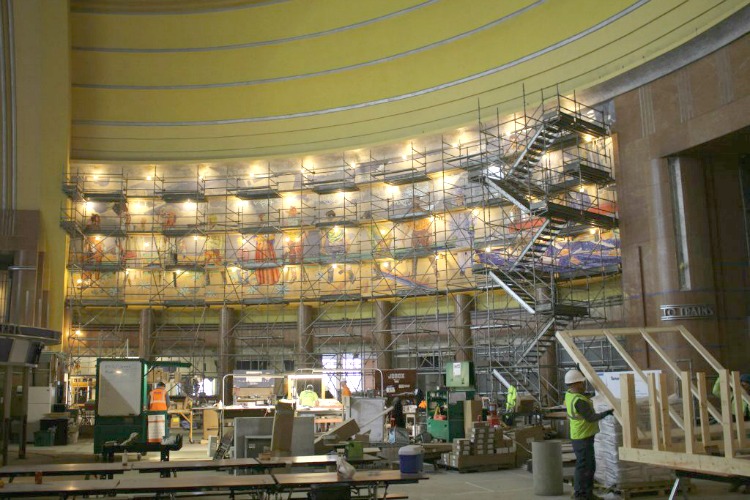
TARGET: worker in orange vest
(345,391)
(158,399)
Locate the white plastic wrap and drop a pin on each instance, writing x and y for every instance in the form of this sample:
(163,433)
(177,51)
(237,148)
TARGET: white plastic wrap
(344,469)
(610,470)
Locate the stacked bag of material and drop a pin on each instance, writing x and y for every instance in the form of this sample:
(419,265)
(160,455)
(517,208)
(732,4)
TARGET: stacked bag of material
(610,470)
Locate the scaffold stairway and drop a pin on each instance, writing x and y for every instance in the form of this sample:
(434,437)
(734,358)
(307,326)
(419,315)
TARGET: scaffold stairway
(540,243)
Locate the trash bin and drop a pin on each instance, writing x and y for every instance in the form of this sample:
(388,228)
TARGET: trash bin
(546,461)
(410,459)
(45,437)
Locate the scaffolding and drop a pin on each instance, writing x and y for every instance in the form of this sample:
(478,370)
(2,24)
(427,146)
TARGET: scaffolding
(518,214)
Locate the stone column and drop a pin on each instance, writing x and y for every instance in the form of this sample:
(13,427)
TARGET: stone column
(226,351)
(382,337)
(460,329)
(548,380)
(305,336)
(667,249)
(25,383)
(145,331)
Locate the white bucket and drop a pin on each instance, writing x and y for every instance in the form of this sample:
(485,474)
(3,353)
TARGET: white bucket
(157,425)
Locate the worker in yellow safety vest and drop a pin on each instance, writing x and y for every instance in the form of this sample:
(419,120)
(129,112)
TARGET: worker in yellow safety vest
(308,397)
(584,424)
(745,383)
(511,399)
(158,399)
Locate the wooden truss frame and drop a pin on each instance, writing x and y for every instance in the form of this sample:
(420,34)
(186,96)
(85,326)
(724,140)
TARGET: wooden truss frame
(694,445)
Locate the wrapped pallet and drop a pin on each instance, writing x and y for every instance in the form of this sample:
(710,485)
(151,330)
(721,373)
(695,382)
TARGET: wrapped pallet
(610,470)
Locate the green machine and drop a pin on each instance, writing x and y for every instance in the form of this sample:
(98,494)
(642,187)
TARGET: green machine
(122,402)
(445,406)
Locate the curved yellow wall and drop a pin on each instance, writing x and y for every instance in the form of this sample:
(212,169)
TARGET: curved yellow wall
(291,77)
(42,84)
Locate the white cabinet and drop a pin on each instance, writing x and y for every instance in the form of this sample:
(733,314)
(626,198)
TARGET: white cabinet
(40,403)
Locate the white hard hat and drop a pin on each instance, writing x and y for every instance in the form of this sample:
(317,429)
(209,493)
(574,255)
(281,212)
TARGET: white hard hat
(574,376)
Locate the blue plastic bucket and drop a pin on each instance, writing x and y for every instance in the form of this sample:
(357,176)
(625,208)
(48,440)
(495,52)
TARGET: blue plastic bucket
(410,459)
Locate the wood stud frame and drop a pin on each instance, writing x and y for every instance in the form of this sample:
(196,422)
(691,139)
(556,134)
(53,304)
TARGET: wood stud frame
(719,449)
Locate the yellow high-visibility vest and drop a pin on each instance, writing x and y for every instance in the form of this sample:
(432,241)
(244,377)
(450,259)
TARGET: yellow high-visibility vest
(579,427)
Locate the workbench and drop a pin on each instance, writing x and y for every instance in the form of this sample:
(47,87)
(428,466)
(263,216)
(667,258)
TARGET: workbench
(187,414)
(323,416)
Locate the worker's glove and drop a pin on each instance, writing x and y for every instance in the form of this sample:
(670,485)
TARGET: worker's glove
(609,412)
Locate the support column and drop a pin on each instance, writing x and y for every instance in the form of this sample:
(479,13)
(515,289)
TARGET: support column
(7,396)
(382,337)
(461,327)
(671,236)
(68,330)
(305,336)
(145,331)
(23,289)
(25,383)
(226,351)
(548,392)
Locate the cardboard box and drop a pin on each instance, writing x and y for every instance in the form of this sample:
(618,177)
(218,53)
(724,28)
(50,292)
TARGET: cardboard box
(498,437)
(523,436)
(210,423)
(472,410)
(283,425)
(462,461)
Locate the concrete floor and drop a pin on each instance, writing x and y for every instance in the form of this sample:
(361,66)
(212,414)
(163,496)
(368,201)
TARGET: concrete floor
(442,485)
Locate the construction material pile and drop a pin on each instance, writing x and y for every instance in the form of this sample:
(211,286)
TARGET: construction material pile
(610,470)
(486,446)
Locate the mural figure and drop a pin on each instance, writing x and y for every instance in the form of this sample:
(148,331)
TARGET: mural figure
(265,252)
(334,241)
(94,223)
(293,249)
(420,233)
(214,246)
(168,218)
(95,254)
(120,208)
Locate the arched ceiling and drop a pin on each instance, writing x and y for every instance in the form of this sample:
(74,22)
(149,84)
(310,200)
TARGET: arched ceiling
(181,80)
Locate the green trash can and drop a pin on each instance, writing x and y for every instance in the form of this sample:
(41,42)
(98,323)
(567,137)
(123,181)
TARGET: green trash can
(45,437)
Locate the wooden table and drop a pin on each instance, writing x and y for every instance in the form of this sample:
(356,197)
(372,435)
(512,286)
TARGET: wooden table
(63,489)
(266,483)
(93,469)
(232,484)
(310,460)
(371,480)
(187,414)
(165,469)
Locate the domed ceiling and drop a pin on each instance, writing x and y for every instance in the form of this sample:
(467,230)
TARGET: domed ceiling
(182,80)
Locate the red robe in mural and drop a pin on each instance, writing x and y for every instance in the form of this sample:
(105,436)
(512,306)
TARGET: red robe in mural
(265,252)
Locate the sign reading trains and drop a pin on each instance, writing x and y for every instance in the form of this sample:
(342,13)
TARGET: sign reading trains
(686,311)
